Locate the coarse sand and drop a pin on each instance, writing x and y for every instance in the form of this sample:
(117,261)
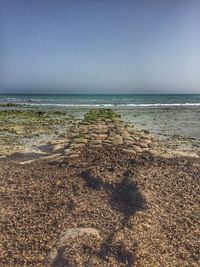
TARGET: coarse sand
(146,208)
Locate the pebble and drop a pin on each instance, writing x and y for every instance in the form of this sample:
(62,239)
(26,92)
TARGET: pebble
(75,155)
(143,145)
(74,145)
(131,151)
(80,140)
(58,147)
(95,142)
(68,151)
(128,141)
(145,141)
(59,141)
(125,135)
(137,148)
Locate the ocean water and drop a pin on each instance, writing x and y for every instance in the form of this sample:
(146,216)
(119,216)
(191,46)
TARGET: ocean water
(104,100)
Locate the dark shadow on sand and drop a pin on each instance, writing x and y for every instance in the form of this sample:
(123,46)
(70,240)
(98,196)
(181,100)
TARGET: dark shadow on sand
(124,197)
(92,182)
(60,260)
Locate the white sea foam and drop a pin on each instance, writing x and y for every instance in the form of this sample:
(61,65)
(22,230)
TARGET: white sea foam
(112,105)
(163,105)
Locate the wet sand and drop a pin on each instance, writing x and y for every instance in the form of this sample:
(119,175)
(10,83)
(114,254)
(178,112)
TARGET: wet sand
(146,208)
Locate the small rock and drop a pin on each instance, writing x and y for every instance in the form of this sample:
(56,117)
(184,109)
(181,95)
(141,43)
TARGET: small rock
(116,139)
(95,142)
(101,136)
(154,152)
(137,148)
(53,156)
(145,131)
(84,123)
(145,141)
(68,151)
(125,135)
(70,247)
(143,145)
(95,146)
(130,129)
(130,151)
(59,141)
(128,141)
(74,145)
(145,149)
(58,147)
(75,155)
(80,140)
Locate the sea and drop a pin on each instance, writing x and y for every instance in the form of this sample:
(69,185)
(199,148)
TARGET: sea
(97,100)
(163,114)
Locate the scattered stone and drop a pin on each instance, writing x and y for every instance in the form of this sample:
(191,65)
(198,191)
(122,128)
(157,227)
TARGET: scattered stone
(74,155)
(143,145)
(125,135)
(145,149)
(95,146)
(59,141)
(84,123)
(58,147)
(154,151)
(145,141)
(26,162)
(68,151)
(116,139)
(52,156)
(74,145)
(145,131)
(95,142)
(80,140)
(101,136)
(130,129)
(128,141)
(137,148)
(130,151)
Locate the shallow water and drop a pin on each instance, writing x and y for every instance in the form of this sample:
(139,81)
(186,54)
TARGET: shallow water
(95,100)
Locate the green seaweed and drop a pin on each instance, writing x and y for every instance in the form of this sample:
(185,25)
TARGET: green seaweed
(103,114)
(8,105)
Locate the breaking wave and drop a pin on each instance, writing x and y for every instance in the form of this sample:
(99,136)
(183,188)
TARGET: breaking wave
(112,105)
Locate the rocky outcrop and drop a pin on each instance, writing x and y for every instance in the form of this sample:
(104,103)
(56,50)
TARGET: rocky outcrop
(104,128)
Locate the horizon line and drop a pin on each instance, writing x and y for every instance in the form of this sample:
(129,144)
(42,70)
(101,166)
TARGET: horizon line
(99,93)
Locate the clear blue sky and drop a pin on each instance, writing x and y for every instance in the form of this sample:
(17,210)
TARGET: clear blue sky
(99,46)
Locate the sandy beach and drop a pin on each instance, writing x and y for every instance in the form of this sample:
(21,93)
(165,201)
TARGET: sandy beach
(99,133)
(106,175)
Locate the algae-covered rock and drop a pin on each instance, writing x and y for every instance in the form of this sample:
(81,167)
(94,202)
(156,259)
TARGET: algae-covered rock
(107,115)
